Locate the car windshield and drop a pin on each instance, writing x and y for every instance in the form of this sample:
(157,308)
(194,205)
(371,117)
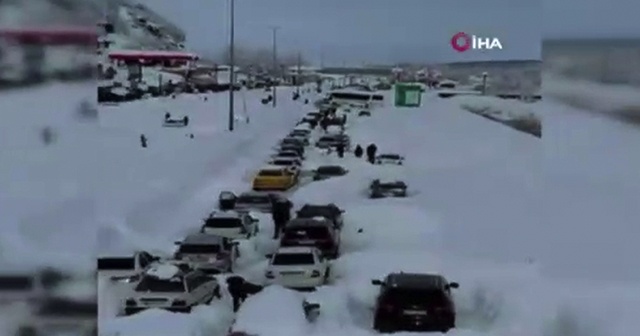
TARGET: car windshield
(293,259)
(390,156)
(223,223)
(153,284)
(416,296)
(310,232)
(310,211)
(282,162)
(268,173)
(329,170)
(199,249)
(327,139)
(255,199)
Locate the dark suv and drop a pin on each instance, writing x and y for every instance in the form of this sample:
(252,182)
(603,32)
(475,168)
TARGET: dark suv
(414,302)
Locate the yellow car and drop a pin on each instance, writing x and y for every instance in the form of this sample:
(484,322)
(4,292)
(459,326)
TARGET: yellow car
(275,178)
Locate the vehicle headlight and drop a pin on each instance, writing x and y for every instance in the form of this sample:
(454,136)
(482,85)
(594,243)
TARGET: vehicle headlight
(315,274)
(268,274)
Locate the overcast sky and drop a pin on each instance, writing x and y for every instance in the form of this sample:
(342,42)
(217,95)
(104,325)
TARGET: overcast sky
(390,31)
(357,31)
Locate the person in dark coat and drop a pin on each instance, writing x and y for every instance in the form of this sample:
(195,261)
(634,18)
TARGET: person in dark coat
(281,214)
(185,120)
(358,151)
(324,124)
(167,116)
(240,289)
(371,153)
(143,141)
(340,150)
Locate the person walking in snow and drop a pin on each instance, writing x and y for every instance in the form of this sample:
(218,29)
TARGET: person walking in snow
(358,151)
(340,149)
(281,214)
(240,289)
(167,116)
(143,141)
(371,153)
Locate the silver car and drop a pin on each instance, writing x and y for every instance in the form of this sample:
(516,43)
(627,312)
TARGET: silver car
(173,287)
(256,201)
(210,253)
(231,224)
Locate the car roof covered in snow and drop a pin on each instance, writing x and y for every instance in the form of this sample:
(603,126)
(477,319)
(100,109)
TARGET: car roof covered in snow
(295,249)
(269,167)
(319,221)
(302,127)
(202,239)
(416,280)
(164,271)
(226,214)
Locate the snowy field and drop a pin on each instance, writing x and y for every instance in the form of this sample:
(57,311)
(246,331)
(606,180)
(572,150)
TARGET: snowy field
(539,233)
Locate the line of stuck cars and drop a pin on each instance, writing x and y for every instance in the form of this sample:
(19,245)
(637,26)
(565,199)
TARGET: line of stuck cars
(186,278)
(302,260)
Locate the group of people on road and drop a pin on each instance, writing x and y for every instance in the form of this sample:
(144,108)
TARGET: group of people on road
(372,149)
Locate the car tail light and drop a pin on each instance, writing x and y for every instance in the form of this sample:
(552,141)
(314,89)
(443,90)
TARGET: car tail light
(315,274)
(130,302)
(179,303)
(268,275)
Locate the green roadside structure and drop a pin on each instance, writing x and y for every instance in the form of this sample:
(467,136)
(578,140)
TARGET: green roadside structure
(408,95)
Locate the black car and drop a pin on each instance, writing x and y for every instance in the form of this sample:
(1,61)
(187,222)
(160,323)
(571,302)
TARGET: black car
(414,302)
(320,233)
(292,147)
(292,154)
(379,189)
(325,172)
(292,140)
(227,200)
(329,211)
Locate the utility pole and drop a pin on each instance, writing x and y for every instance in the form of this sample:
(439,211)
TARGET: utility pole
(298,74)
(232,65)
(274,31)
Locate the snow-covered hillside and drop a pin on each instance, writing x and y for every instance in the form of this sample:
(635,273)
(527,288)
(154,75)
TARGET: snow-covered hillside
(538,232)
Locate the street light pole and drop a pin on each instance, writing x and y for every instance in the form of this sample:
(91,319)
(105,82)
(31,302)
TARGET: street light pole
(231,65)
(298,74)
(274,31)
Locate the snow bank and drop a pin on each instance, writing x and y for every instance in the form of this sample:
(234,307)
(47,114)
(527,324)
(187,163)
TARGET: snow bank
(617,100)
(202,321)
(503,109)
(275,311)
(516,114)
